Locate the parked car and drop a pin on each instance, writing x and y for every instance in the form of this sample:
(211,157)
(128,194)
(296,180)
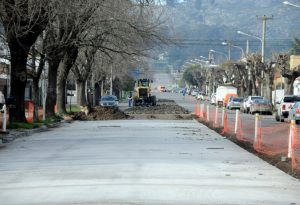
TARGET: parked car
(234,103)
(247,102)
(162,89)
(194,92)
(262,106)
(227,97)
(109,101)
(284,106)
(295,112)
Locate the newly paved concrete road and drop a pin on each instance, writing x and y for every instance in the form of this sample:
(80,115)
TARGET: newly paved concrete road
(138,162)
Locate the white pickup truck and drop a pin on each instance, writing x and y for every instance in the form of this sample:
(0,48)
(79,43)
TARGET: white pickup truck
(284,106)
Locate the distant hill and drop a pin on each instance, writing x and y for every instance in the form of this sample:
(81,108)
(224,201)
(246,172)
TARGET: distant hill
(204,24)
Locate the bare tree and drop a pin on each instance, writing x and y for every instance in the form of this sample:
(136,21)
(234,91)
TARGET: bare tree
(283,64)
(23,21)
(82,71)
(35,72)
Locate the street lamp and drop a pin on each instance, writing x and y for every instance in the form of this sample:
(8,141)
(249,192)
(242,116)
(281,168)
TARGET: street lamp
(229,49)
(201,61)
(291,4)
(213,51)
(246,34)
(230,44)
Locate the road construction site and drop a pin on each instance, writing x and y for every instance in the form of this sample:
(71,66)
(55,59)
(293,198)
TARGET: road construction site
(142,160)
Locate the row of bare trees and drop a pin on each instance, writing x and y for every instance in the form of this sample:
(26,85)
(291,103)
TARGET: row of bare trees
(82,37)
(251,77)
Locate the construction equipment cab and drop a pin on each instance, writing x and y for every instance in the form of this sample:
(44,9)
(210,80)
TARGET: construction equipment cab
(142,93)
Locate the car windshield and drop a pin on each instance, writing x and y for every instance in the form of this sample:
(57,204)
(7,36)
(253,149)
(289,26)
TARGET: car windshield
(108,98)
(296,98)
(291,99)
(256,98)
(262,101)
(237,99)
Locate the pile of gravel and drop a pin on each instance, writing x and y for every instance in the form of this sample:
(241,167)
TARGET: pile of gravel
(101,113)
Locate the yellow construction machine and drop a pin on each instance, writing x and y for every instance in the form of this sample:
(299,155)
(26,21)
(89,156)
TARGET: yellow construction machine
(142,93)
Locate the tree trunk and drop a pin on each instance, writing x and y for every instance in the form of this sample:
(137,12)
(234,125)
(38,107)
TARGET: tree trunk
(61,96)
(268,87)
(97,94)
(18,81)
(249,88)
(64,69)
(288,86)
(81,99)
(51,89)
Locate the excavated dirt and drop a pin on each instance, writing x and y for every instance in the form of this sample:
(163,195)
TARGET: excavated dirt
(165,109)
(100,113)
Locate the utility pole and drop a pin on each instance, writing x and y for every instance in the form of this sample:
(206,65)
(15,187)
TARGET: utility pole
(247,47)
(229,51)
(264,20)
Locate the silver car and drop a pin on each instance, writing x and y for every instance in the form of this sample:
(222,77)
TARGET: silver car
(235,103)
(109,101)
(295,112)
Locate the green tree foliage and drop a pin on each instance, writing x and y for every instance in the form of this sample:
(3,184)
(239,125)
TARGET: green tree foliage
(190,75)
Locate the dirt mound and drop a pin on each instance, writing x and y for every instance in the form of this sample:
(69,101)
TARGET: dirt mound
(162,107)
(101,113)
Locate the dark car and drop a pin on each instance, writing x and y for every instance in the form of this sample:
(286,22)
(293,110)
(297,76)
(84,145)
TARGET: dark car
(109,101)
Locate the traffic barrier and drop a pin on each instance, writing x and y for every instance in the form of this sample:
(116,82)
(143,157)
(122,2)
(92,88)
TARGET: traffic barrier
(216,118)
(207,113)
(237,116)
(292,135)
(225,127)
(223,116)
(295,149)
(202,111)
(267,137)
(29,108)
(274,139)
(197,113)
(257,144)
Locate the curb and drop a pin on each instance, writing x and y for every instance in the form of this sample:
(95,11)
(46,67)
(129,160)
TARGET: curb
(12,135)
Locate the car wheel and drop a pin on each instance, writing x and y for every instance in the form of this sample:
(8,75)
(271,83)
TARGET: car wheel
(281,119)
(277,117)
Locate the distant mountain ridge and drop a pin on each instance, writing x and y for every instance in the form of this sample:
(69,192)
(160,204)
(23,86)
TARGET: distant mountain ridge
(204,24)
